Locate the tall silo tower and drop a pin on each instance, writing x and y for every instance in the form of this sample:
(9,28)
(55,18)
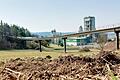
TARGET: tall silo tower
(89,23)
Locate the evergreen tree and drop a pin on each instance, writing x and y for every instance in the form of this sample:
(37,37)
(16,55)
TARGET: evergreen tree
(7,31)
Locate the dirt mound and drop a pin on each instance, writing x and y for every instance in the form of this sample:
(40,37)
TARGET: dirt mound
(108,57)
(63,68)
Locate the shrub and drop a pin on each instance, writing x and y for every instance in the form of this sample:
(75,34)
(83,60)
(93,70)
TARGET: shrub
(84,49)
(48,57)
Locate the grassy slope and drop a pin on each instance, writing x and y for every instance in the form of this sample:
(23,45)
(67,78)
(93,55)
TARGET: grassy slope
(54,51)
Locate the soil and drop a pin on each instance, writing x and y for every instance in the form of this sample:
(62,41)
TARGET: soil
(104,66)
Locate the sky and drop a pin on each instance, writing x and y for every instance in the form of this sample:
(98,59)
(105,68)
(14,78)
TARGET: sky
(62,15)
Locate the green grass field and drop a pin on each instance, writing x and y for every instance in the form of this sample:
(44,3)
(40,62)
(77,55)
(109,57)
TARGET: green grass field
(54,51)
(8,54)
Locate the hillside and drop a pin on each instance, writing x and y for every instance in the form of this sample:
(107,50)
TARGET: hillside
(47,34)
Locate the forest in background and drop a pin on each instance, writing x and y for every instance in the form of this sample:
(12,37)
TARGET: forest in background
(13,30)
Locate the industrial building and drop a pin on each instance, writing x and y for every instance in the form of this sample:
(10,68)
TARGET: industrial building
(77,41)
(89,25)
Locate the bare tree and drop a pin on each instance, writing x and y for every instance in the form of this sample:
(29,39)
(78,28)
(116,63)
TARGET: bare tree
(101,40)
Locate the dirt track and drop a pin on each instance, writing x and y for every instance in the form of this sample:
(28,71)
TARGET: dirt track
(63,68)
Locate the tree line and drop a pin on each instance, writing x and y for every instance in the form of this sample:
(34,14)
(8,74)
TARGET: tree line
(13,30)
(7,31)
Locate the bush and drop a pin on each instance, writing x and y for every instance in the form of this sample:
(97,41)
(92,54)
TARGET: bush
(35,44)
(48,57)
(32,45)
(4,44)
(45,43)
(84,49)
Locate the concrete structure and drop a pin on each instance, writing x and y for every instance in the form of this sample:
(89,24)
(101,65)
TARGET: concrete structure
(89,23)
(116,30)
(80,29)
(111,36)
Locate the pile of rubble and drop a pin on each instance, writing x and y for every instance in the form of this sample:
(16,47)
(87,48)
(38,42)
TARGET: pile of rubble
(104,66)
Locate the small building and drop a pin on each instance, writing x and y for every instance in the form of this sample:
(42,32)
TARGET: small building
(77,41)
